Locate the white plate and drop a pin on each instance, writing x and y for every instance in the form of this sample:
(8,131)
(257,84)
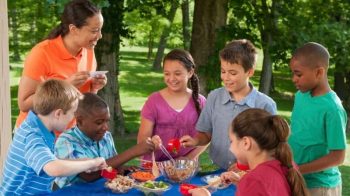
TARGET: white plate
(95,73)
(211,178)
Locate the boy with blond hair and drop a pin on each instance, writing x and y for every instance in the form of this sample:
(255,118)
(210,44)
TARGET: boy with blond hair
(31,165)
(238,60)
(318,122)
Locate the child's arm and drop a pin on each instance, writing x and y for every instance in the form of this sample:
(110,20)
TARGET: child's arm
(144,147)
(145,130)
(334,158)
(60,168)
(199,192)
(201,139)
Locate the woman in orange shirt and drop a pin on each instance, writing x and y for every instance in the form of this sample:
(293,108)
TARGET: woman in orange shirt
(67,54)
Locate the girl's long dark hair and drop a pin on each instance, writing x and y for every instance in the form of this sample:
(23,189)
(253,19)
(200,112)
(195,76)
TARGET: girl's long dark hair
(187,61)
(75,12)
(271,133)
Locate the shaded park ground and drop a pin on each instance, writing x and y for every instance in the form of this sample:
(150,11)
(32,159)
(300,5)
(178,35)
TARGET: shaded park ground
(138,80)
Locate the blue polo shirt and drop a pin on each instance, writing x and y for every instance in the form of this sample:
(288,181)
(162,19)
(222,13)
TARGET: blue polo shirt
(217,115)
(31,149)
(74,144)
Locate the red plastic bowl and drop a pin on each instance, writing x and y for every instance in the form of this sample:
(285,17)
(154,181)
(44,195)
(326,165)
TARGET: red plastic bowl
(242,166)
(184,188)
(174,145)
(110,175)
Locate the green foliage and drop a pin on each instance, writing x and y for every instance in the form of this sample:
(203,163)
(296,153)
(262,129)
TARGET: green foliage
(29,22)
(146,20)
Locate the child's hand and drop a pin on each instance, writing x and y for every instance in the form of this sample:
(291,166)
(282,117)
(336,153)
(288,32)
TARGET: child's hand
(97,164)
(145,146)
(156,141)
(188,141)
(199,192)
(230,177)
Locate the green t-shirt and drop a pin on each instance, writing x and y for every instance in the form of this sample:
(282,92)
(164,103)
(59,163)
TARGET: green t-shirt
(318,126)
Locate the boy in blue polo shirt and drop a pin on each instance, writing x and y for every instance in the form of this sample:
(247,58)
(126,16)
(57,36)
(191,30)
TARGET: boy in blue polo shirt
(238,60)
(318,122)
(90,138)
(31,165)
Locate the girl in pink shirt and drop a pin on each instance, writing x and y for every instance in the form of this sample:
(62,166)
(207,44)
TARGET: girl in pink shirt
(173,111)
(259,140)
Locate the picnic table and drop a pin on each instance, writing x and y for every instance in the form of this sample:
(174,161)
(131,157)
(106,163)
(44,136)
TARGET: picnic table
(97,188)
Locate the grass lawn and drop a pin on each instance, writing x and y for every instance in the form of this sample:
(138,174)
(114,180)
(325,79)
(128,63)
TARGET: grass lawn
(138,80)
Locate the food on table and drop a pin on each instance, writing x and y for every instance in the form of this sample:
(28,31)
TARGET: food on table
(242,167)
(184,188)
(155,187)
(146,165)
(211,179)
(174,145)
(179,171)
(142,176)
(120,184)
(109,173)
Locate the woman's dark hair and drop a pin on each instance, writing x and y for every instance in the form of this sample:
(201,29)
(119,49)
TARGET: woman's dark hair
(271,133)
(75,12)
(187,61)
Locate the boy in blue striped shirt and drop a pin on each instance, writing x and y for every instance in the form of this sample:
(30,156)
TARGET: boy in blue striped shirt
(31,165)
(90,138)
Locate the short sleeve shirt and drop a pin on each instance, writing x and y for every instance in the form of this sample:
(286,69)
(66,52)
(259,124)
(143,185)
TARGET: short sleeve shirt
(50,59)
(169,123)
(31,149)
(318,125)
(74,144)
(218,113)
(267,179)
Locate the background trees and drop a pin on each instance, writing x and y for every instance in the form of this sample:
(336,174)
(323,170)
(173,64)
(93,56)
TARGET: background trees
(277,27)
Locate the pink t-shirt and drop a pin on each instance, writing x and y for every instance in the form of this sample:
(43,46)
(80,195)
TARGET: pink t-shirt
(267,179)
(169,123)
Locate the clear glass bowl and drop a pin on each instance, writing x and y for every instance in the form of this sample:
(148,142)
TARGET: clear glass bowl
(180,171)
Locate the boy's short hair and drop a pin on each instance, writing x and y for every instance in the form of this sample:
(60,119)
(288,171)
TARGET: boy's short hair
(241,52)
(89,103)
(313,55)
(54,94)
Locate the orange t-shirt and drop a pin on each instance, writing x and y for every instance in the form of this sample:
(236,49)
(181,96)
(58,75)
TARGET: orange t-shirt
(50,59)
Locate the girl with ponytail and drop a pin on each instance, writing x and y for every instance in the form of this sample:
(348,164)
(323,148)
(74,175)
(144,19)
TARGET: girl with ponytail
(173,111)
(259,139)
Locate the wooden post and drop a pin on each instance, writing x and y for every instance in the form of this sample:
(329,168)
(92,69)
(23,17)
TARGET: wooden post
(5,101)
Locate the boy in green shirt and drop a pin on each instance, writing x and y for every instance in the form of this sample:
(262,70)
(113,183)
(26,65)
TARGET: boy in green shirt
(318,121)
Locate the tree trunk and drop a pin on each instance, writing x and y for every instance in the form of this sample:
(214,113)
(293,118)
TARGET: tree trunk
(266,74)
(339,84)
(186,27)
(110,93)
(150,44)
(14,28)
(209,15)
(164,37)
(267,26)
(346,102)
